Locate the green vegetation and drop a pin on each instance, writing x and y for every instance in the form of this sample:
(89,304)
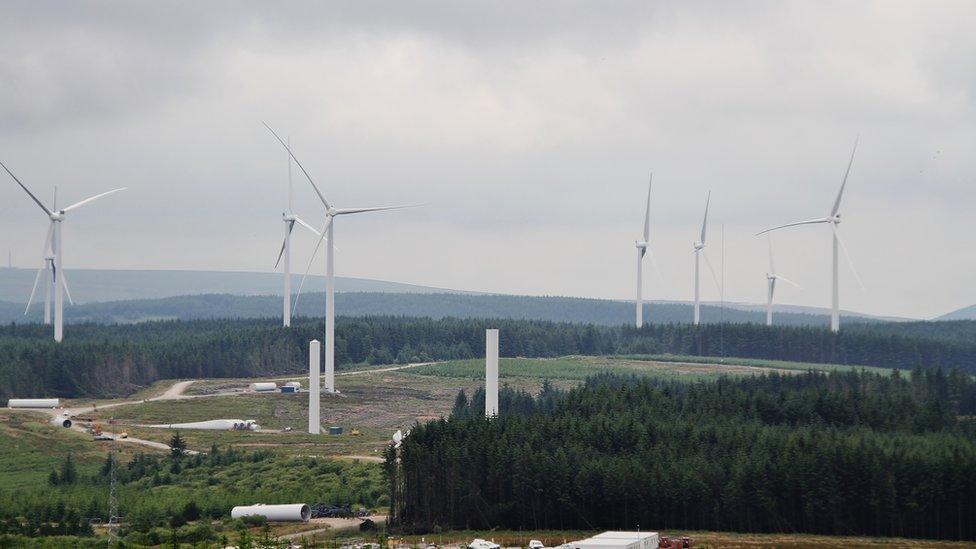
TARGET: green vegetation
(180,496)
(758,363)
(98,360)
(851,453)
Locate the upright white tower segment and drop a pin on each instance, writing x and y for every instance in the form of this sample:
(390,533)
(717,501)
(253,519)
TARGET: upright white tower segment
(314,364)
(54,242)
(491,372)
(328,229)
(834,220)
(641,250)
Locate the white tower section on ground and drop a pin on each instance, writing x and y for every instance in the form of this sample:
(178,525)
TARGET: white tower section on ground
(491,373)
(314,352)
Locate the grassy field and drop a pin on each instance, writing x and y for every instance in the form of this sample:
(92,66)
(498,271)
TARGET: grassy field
(578,368)
(30,448)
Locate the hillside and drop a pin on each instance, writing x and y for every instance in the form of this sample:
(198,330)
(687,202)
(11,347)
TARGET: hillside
(434,305)
(966,313)
(97,285)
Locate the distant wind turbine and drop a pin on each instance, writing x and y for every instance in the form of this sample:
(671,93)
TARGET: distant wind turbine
(53,251)
(834,220)
(642,248)
(328,230)
(771,278)
(700,251)
(289,219)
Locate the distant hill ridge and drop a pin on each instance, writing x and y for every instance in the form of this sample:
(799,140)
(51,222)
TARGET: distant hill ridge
(966,313)
(434,305)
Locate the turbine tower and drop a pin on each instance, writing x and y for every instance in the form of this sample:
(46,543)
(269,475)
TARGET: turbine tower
(834,220)
(327,230)
(771,278)
(289,219)
(54,242)
(700,251)
(641,250)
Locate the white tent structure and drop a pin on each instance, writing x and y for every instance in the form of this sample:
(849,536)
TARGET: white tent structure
(618,540)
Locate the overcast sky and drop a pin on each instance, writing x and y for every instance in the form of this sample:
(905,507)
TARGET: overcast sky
(528,128)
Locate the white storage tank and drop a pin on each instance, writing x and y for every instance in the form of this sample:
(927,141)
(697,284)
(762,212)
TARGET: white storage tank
(33,403)
(295,384)
(292,512)
(263,386)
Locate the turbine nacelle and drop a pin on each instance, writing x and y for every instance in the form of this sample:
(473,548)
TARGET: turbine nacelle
(288,217)
(641,245)
(57,216)
(699,245)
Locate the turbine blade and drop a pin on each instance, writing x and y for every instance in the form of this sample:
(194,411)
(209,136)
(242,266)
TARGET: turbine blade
(772,268)
(295,158)
(788,281)
(654,266)
(847,255)
(89,199)
(647,212)
(346,211)
(705,219)
(807,222)
(280,253)
(772,289)
(840,193)
(22,186)
(308,267)
(34,289)
(712,270)
(307,226)
(64,282)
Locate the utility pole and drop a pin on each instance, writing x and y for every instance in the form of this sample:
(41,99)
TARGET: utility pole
(113,500)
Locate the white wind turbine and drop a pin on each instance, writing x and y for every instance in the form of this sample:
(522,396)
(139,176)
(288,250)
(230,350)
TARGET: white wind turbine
(328,230)
(771,278)
(641,250)
(833,219)
(53,251)
(700,251)
(289,219)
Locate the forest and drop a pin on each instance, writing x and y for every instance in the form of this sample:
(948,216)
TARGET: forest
(841,453)
(114,360)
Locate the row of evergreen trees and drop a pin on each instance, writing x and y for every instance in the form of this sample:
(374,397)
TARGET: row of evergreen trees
(844,453)
(99,360)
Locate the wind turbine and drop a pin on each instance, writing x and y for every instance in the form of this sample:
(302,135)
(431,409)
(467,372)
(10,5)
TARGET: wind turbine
(54,243)
(700,251)
(641,250)
(289,219)
(833,219)
(771,278)
(328,230)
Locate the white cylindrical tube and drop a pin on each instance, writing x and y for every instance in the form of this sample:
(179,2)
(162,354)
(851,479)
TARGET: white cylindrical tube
(33,403)
(491,373)
(292,512)
(263,387)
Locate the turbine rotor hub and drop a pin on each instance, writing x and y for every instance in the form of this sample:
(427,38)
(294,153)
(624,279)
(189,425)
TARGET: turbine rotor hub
(57,216)
(288,217)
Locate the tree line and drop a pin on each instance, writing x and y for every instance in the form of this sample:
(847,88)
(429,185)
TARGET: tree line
(114,360)
(849,453)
